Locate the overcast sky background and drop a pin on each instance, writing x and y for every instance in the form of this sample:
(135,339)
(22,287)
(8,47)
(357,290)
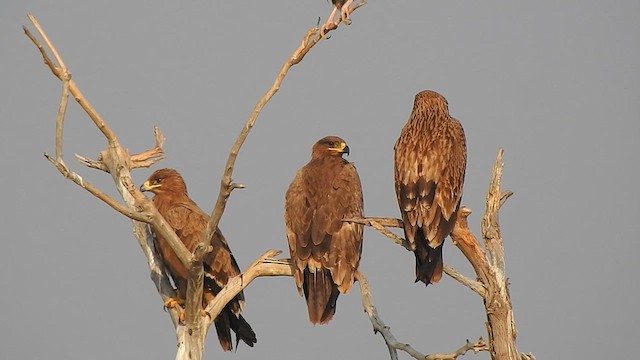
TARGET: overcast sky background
(556,84)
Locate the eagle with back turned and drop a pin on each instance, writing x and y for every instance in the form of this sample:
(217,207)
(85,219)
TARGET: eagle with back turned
(429,168)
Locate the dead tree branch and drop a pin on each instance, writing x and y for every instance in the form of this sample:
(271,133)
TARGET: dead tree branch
(501,327)
(116,161)
(194,289)
(310,39)
(381,224)
(492,284)
(264,265)
(476,347)
(394,345)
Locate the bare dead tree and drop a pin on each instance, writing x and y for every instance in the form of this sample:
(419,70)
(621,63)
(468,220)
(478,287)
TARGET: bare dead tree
(191,334)
(491,285)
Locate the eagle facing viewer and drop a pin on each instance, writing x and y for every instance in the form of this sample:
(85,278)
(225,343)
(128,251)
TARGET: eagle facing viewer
(189,222)
(430,162)
(325,251)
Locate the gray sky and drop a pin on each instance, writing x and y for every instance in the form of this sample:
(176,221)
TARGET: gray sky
(556,84)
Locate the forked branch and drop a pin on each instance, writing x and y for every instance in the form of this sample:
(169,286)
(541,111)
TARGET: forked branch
(381,224)
(310,39)
(114,160)
(394,345)
(492,284)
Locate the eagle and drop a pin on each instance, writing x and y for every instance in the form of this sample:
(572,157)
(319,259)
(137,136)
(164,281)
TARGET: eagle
(325,250)
(429,167)
(343,7)
(189,222)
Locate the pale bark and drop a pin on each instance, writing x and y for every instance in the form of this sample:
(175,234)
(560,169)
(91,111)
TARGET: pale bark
(489,266)
(116,161)
(492,284)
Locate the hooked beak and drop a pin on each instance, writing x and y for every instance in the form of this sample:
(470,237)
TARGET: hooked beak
(342,149)
(147,186)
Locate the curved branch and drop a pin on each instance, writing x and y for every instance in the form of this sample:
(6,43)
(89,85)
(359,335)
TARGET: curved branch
(501,327)
(114,160)
(311,38)
(476,347)
(264,265)
(143,159)
(380,225)
(393,345)
(475,286)
(95,191)
(464,239)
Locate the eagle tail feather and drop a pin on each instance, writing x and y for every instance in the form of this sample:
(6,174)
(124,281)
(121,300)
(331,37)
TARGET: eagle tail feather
(428,260)
(321,294)
(223,328)
(243,331)
(227,321)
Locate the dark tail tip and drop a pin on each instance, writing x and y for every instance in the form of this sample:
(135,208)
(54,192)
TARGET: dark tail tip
(227,321)
(243,331)
(428,263)
(321,295)
(223,328)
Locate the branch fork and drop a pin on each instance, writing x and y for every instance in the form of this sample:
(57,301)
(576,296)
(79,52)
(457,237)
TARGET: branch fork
(492,284)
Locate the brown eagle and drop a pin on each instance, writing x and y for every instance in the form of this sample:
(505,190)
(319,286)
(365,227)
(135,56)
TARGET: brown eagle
(189,222)
(430,162)
(325,251)
(343,7)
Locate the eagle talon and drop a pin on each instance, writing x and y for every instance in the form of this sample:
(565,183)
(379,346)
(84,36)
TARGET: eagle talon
(173,302)
(345,12)
(346,19)
(326,28)
(204,313)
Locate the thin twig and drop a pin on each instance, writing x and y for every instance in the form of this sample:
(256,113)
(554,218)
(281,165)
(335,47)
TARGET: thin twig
(476,347)
(59,71)
(64,100)
(379,224)
(144,159)
(393,345)
(116,160)
(46,40)
(152,156)
(475,286)
(124,210)
(379,327)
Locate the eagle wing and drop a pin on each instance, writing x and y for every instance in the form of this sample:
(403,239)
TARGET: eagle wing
(189,222)
(344,200)
(429,176)
(316,233)
(298,217)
